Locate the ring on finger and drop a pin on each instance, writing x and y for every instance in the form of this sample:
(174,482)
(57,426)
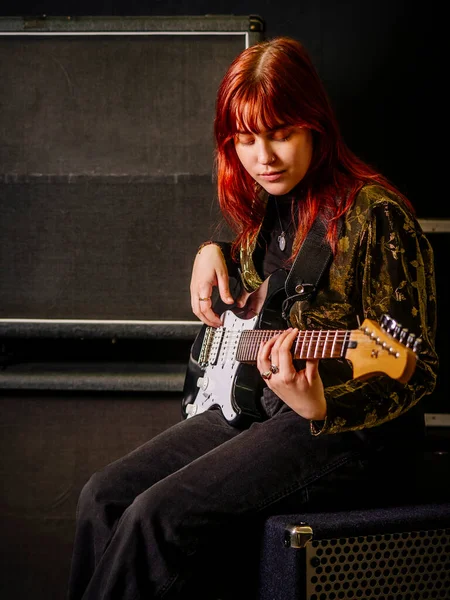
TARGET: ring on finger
(205,299)
(266,374)
(275,369)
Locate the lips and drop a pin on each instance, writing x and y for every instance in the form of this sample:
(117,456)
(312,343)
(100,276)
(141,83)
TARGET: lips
(272,176)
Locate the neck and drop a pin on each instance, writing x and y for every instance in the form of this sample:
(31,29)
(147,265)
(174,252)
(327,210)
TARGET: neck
(308,344)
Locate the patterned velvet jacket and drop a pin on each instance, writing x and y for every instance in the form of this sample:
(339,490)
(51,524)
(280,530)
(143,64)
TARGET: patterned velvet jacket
(384,264)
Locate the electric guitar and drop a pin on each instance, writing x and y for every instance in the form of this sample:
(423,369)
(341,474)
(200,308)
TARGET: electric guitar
(221,370)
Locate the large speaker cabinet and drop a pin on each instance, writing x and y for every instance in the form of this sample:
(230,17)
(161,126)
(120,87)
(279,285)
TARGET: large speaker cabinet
(106,191)
(106,161)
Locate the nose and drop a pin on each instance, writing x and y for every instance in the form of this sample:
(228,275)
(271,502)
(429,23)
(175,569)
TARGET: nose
(265,153)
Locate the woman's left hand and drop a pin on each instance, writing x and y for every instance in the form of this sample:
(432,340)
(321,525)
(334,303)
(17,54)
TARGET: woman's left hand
(301,390)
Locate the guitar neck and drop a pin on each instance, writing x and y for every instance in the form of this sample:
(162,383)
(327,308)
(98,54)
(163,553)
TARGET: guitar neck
(307,345)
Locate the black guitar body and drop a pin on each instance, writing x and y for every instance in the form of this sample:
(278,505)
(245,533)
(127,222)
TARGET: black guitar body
(246,386)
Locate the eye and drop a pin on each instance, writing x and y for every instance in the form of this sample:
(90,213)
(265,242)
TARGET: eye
(246,139)
(282,135)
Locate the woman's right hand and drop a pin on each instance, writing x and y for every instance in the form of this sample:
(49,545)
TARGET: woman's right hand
(209,271)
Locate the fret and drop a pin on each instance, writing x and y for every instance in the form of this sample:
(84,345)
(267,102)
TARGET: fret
(324,353)
(243,344)
(302,334)
(296,353)
(310,335)
(316,343)
(309,344)
(345,343)
(333,344)
(319,349)
(340,344)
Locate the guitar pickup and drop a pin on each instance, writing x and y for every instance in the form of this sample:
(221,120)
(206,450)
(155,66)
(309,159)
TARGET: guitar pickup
(211,346)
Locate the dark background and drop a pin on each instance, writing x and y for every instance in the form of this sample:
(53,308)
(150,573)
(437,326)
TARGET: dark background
(384,64)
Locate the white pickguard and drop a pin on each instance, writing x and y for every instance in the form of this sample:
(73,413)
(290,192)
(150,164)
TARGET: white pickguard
(216,384)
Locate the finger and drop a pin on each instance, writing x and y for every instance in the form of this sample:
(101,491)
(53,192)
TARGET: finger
(223,285)
(242,299)
(263,357)
(285,351)
(277,344)
(268,356)
(312,369)
(279,338)
(263,364)
(210,320)
(267,347)
(274,347)
(202,307)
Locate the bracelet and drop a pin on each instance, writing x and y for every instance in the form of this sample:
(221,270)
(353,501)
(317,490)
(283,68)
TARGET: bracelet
(316,426)
(208,243)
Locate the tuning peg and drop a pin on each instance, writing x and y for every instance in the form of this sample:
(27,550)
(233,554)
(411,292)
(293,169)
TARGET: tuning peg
(397,331)
(417,345)
(410,340)
(393,325)
(403,335)
(384,321)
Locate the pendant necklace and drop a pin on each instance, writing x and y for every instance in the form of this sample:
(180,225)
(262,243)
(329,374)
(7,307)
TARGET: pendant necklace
(281,239)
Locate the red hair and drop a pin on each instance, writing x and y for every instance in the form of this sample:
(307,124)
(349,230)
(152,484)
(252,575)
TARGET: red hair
(275,83)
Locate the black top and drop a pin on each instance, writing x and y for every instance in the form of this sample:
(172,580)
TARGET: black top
(280,217)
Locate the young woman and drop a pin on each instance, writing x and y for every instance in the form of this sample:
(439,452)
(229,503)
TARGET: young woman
(171,519)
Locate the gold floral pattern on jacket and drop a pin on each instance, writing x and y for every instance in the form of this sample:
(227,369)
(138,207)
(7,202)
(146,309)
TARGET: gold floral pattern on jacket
(384,265)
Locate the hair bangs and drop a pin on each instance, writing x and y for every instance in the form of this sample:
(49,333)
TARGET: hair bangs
(255,110)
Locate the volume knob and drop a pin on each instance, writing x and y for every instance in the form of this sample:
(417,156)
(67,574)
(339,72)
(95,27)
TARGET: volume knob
(191,409)
(202,382)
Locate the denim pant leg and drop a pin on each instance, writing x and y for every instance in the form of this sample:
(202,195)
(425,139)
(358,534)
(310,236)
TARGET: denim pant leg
(170,532)
(109,492)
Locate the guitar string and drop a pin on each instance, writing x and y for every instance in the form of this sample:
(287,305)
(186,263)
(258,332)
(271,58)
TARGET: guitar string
(265,335)
(338,333)
(327,346)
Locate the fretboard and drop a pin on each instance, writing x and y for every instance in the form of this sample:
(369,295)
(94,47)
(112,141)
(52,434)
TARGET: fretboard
(307,344)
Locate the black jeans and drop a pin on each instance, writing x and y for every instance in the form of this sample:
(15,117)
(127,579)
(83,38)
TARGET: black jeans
(181,513)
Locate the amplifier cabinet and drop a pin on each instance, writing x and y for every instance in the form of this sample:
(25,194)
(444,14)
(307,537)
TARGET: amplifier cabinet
(396,553)
(106,164)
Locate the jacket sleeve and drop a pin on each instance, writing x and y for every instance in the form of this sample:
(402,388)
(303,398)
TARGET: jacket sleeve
(395,276)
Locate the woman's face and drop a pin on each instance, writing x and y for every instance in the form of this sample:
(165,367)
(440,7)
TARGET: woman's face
(277,159)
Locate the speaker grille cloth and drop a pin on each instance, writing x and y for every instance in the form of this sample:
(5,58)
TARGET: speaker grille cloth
(393,566)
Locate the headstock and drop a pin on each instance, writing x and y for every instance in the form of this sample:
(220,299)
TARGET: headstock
(386,348)
(400,333)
